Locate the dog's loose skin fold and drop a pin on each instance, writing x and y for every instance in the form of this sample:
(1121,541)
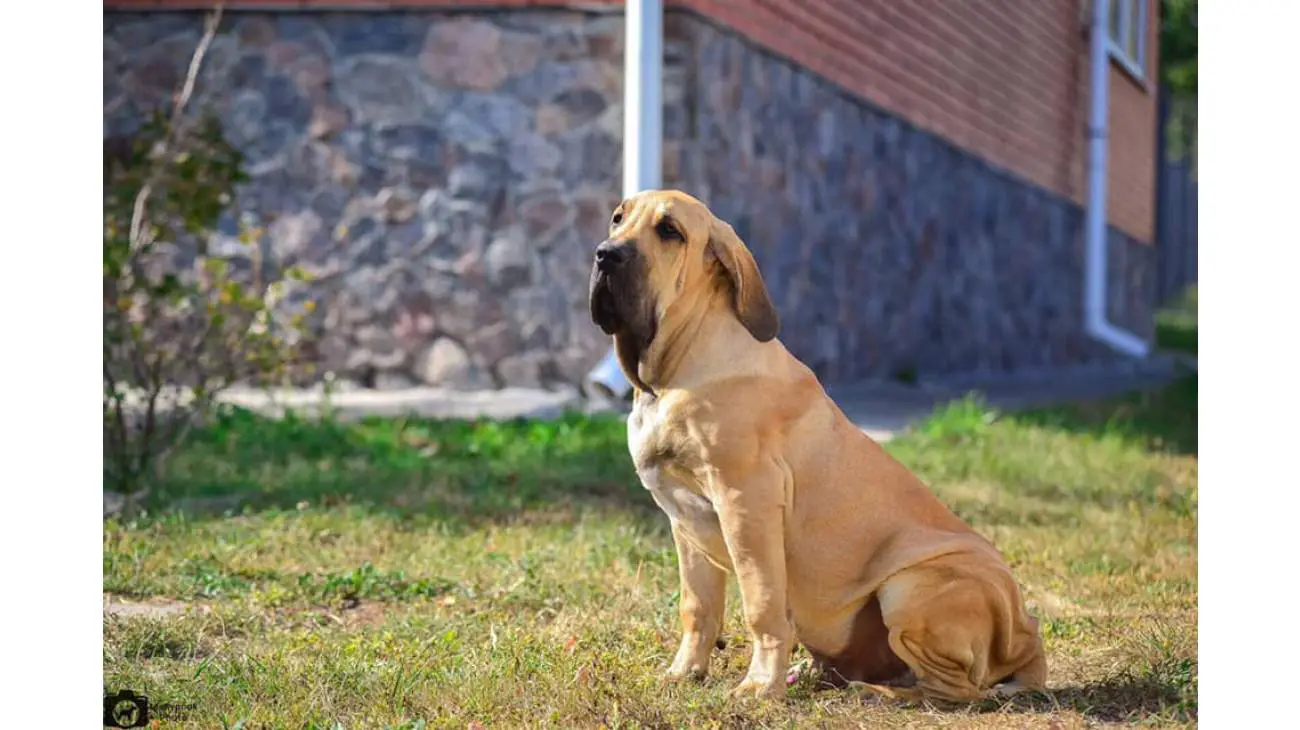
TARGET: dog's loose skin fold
(835,544)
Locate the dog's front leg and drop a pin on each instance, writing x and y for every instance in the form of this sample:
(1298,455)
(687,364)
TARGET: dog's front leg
(751,509)
(703,603)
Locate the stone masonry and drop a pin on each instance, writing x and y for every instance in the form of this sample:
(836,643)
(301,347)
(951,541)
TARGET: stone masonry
(886,249)
(445,175)
(442,176)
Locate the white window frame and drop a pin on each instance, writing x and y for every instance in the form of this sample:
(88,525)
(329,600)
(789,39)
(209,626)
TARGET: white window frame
(1117,46)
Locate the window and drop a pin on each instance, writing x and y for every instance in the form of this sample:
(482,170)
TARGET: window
(1128,35)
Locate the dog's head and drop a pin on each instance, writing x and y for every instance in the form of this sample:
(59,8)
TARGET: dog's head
(665,246)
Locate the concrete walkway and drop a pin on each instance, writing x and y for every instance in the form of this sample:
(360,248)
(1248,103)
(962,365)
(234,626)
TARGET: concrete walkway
(886,409)
(427,402)
(881,409)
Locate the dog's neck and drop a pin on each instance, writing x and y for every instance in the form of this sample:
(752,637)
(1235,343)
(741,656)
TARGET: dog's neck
(685,339)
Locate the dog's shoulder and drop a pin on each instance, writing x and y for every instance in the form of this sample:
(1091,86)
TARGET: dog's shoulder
(761,402)
(729,419)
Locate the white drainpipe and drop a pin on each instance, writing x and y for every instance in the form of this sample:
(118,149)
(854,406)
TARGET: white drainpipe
(643,60)
(1094,272)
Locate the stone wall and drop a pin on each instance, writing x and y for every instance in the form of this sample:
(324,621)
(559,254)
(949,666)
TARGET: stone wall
(442,175)
(886,249)
(445,175)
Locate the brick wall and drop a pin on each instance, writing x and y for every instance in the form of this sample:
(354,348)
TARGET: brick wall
(1132,159)
(963,70)
(885,247)
(1006,80)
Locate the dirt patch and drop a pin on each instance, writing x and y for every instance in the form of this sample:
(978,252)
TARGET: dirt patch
(349,615)
(365,614)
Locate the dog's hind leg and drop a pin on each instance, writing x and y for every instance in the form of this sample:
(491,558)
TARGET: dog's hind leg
(943,679)
(963,631)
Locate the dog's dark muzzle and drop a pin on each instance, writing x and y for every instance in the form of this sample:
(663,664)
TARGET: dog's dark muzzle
(611,284)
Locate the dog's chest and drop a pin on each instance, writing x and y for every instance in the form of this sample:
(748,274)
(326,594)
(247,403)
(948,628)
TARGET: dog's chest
(662,470)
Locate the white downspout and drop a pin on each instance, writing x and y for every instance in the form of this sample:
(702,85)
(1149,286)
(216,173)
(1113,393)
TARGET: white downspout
(1094,272)
(643,59)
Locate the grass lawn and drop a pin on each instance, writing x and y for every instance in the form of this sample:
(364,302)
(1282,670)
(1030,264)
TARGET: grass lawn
(405,573)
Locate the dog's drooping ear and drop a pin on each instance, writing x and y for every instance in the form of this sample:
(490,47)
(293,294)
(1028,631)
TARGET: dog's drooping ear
(750,299)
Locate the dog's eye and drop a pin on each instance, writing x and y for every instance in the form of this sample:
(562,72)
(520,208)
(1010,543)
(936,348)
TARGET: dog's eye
(667,232)
(618,218)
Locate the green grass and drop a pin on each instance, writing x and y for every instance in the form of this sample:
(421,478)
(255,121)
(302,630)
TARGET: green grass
(407,573)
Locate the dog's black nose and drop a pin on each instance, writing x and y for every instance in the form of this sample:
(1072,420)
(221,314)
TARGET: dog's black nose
(612,254)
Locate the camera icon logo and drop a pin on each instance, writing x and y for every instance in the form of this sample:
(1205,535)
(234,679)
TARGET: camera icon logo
(126,709)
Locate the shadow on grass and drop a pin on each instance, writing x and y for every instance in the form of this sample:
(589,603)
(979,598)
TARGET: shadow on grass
(466,472)
(1162,420)
(1123,699)
(1126,698)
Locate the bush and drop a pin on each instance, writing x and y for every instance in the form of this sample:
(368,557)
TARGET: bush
(181,323)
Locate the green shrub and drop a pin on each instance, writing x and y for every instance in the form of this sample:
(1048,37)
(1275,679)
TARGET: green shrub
(181,323)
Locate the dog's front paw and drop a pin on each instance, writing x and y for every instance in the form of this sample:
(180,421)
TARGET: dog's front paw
(764,688)
(691,660)
(680,671)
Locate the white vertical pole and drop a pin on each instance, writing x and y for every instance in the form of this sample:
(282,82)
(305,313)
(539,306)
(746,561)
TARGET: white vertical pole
(1094,264)
(1094,294)
(642,134)
(643,56)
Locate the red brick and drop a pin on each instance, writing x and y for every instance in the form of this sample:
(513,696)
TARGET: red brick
(1007,81)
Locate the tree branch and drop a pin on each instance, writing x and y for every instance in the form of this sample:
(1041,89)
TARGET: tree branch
(162,151)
